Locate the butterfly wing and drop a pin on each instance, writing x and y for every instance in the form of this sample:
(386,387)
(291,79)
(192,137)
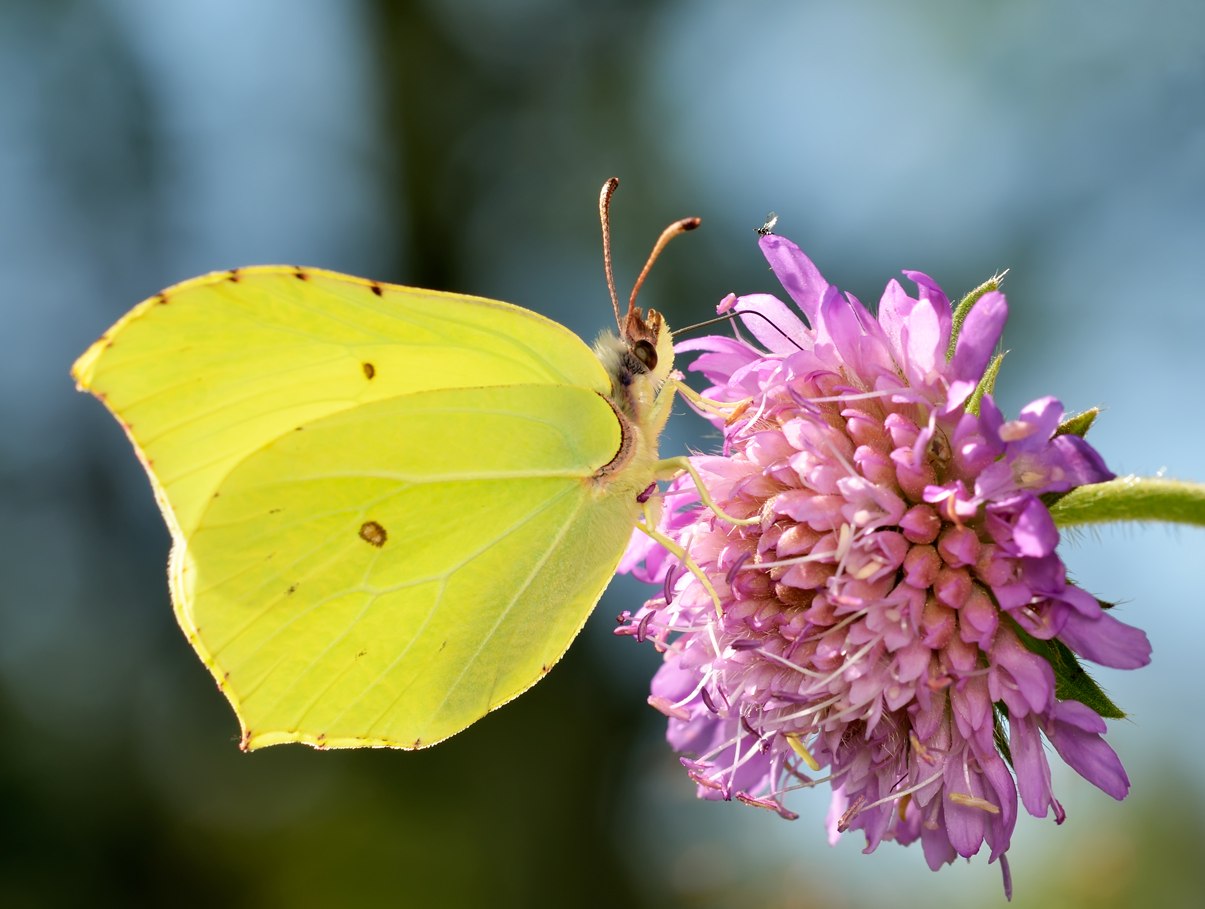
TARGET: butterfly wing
(389,574)
(386,503)
(212,369)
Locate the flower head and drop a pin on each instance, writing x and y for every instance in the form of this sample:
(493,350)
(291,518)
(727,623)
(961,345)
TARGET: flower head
(893,621)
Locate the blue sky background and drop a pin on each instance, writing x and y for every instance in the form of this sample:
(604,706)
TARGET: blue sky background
(460,144)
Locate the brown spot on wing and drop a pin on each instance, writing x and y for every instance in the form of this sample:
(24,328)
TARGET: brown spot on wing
(373,533)
(376,288)
(369,370)
(233,275)
(300,273)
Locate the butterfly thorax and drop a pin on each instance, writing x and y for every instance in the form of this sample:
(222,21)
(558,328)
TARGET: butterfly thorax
(638,366)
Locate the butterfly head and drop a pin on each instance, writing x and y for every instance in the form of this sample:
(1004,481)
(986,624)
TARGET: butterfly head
(649,342)
(644,351)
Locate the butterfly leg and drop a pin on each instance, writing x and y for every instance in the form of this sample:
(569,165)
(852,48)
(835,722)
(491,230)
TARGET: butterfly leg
(671,467)
(648,526)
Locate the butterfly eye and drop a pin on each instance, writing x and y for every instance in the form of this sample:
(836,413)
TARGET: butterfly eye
(646,353)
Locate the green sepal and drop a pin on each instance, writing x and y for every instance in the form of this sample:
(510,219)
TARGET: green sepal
(1071,680)
(1079,424)
(986,384)
(964,307)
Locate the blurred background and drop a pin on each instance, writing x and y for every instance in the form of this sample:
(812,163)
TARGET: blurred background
(460,144)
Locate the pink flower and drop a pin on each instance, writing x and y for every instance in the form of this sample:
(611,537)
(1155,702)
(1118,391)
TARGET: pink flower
(897,623)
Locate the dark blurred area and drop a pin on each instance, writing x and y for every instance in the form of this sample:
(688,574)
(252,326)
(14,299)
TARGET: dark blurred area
(460,146)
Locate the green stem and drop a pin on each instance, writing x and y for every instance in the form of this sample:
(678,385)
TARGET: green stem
(1132,499)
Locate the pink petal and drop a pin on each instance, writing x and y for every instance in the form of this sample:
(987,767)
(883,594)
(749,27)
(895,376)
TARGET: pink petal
(796,272)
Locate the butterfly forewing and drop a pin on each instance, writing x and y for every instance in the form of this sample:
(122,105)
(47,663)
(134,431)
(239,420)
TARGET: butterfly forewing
(215,368)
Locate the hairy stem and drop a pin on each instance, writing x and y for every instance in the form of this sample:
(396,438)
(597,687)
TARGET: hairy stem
(1132,498)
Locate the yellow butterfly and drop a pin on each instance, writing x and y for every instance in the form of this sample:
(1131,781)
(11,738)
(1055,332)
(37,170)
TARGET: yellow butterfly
(391,509)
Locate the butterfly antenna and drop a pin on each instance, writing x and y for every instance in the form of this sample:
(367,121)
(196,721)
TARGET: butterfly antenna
(730,317)
(604,215)
(726,317)
(678,227)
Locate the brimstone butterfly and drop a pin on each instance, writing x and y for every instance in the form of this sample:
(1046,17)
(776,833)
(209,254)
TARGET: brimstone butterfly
(391,509)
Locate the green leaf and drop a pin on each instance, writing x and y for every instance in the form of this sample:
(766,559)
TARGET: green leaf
(1071,680)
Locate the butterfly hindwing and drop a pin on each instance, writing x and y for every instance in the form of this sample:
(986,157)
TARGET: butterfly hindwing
(389,574)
